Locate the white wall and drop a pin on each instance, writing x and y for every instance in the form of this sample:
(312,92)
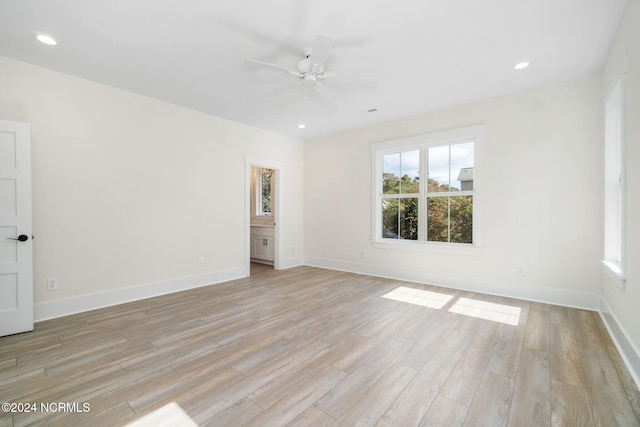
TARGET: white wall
(131,191)
(620,307)
(542,197)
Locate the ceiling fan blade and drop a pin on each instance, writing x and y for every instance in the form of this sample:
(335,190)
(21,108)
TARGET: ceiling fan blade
(284,90)
(318,94)
(324,99)
(320,52)
(274,67)
(326,75)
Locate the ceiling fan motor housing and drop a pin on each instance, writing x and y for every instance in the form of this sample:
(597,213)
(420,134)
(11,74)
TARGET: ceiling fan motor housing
(304,65)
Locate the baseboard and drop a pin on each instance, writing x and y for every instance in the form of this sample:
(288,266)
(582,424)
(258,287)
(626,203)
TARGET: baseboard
(65,307)
(584,300)
(628,351)
(291,263)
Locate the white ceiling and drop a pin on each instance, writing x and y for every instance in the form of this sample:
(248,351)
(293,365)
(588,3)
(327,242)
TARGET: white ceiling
(403,57)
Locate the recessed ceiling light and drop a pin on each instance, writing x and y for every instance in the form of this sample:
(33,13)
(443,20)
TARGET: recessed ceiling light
(43,38)
(302,126)
(521,65)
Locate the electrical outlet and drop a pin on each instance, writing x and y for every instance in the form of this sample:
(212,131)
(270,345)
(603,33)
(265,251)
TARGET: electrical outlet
(201,261)
(52,284)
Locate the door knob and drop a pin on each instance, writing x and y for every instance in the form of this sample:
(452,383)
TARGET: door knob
(21,238)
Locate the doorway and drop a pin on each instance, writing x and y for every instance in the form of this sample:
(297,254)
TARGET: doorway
(263,215)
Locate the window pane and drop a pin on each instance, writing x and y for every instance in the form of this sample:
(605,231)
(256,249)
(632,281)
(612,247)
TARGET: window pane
(438,169)
(390,218)
(409,219)
(400,172)
(450,219)
(438,219)
(400,218)
(409,172)
(266,193)
(462,166)
(391,173)
(461,219)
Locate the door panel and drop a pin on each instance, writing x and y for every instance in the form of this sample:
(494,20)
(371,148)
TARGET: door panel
(7,150)
(16,269)
(8,199)
(9,251)
(8,292)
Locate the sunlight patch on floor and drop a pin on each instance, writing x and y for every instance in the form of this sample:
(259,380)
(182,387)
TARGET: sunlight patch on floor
(169,415)
(418,297)
(487,310)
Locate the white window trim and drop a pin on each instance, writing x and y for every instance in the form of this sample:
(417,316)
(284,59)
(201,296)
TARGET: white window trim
(474,133)
(614,257)
(430,247)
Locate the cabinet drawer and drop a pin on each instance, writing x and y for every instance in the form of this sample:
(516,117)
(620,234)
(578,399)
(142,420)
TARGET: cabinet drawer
(261,232)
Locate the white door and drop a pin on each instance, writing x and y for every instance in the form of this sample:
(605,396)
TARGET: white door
(16,271)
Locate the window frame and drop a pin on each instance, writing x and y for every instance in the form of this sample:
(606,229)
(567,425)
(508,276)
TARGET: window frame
(614,251)
(423,142)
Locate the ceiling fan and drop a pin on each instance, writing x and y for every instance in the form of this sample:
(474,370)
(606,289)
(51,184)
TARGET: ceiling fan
(310,69)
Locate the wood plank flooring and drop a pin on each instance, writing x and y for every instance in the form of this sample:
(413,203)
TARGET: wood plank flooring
(314,347)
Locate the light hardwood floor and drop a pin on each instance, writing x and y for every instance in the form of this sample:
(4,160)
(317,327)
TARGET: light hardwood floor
(308,346)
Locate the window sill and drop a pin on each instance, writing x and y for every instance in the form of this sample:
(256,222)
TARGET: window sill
(612,269)
(432,247)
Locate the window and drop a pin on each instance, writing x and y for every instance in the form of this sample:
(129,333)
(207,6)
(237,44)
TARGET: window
(441,209)
(614,248)
(263,191)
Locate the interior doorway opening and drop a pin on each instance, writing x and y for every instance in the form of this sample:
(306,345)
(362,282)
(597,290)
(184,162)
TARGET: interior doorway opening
(263,215)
